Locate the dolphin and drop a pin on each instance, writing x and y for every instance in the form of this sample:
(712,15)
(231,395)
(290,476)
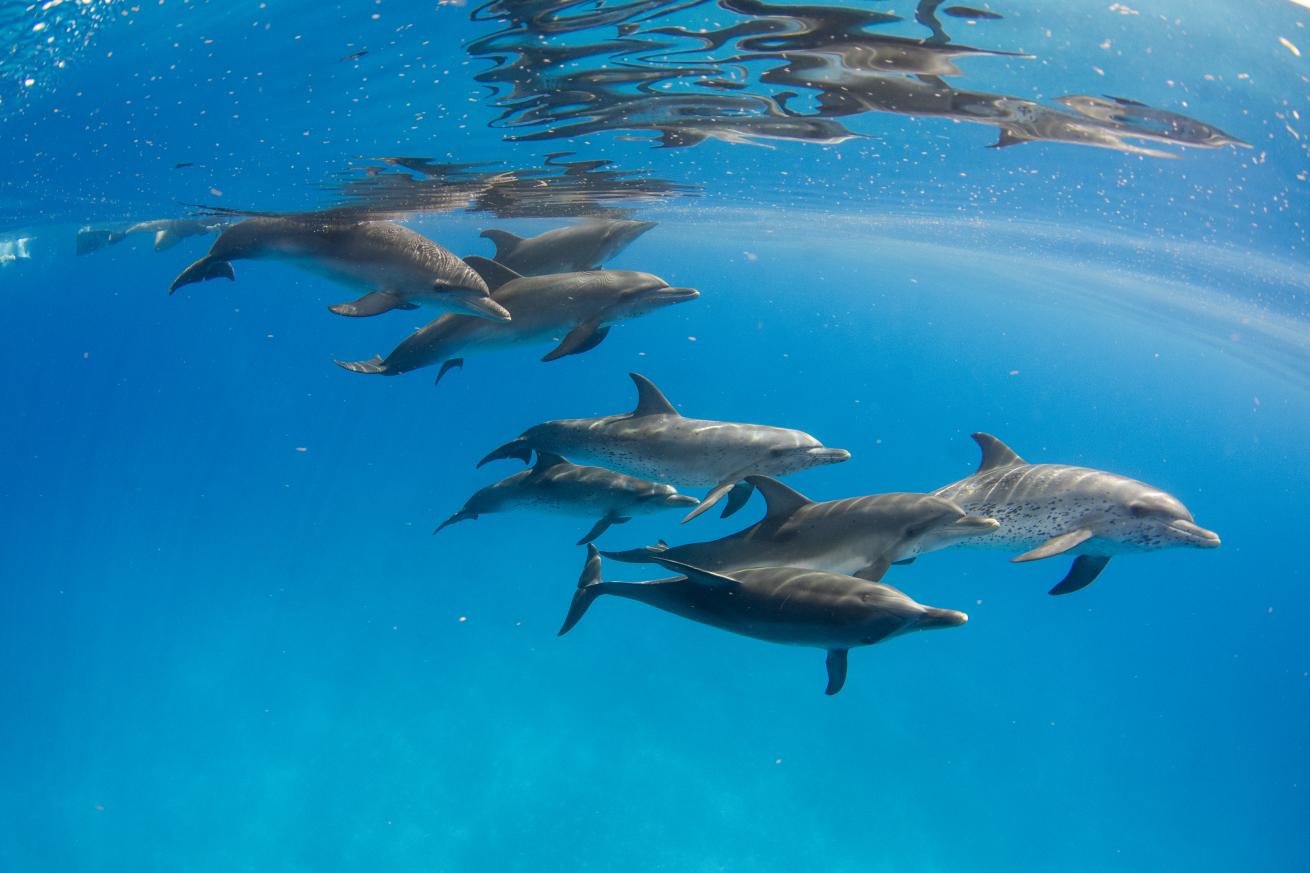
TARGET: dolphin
(578,247)
(398,268)
(556,485)
(655,442)
(579,307)
(167,233)
(788,605)
(858,536)
(1055,509)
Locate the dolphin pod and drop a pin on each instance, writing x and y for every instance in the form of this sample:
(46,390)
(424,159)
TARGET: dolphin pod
(807,573)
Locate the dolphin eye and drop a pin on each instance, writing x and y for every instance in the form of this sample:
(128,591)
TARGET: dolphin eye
(913,531)
(1137,510)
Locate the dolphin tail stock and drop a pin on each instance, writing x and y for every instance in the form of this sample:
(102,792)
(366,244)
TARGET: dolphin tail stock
(515,448)
(643,555)
(202,270)
(374,365)
(590,586)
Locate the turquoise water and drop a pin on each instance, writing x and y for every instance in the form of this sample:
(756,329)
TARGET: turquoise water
(231,642)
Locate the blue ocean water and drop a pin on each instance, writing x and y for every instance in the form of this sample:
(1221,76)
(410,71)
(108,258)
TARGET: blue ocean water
(230,641)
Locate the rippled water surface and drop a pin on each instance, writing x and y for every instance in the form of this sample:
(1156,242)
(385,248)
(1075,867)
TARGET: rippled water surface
(231,641)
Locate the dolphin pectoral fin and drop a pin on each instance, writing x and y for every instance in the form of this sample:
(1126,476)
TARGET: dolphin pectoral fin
(583,338)
(905,562)
(446,368)
(875,571)
(1084,571)
(601,526)
(737,497)
(372,303)
(1056,545)
(202,270)
(836,670)
(716,494)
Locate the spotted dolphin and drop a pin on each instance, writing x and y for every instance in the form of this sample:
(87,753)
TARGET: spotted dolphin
(858,536)
(167,232)
(576,310)
(654,441)
(787,605)
(555,485)
(396,267)
(1056,509)
(578,247)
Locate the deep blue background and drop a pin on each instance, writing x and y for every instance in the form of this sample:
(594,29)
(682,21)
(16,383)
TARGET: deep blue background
(220,653)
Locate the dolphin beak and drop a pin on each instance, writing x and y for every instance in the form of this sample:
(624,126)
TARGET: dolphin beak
(485,307)
(935,618)
(828,456)
(976,525)
(678,295)
(681,500)
(1194,535)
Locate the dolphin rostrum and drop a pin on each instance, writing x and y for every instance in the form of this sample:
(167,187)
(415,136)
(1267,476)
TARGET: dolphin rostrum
(858,536)
(1055,509)
(396,267)
(655,442)
(786,605)
(574,309)
(556,485)
(583,246)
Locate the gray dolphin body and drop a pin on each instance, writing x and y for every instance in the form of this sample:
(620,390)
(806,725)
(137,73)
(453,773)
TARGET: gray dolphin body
(396,267)
(555,485)
(858,536)
(1055,509)
(576,248)
(167,232)
(776,604)
(580,307)
(655,442)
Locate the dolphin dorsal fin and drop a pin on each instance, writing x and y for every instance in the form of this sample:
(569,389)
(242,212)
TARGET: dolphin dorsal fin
(546,460)
(494,273)
(780,501)
(650,400)
(994,453)
(504,241)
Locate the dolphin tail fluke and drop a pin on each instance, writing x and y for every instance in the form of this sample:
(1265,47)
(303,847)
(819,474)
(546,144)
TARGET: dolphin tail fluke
(202,270)
(374,365)
(515,448)
(91,240)
(590,586)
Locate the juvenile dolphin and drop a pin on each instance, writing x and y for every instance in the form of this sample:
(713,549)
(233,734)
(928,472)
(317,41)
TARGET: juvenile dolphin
(167,232)
(579,307)
(556,485)
(776,604)
(398,268)
(655,442)
(578,247)
(1055,509)
(858,536)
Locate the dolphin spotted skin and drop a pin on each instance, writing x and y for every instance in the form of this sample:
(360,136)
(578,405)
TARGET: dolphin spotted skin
(396,267)
(858,536)
(579,307)
(1055,509)
(787,605)
(655,442)
(576,248)
(555,485)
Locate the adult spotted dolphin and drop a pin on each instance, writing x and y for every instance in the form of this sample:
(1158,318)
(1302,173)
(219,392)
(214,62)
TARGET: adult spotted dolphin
(655,442)
(578,247)
(776,604)
(1055,509)
(398,268)
(858,536)
(576,310)
(555,485)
